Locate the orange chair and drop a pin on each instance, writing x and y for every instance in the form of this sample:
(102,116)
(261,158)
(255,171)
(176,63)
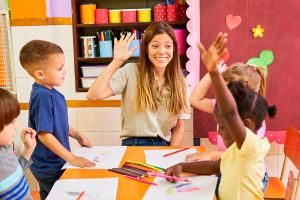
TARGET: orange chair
(275,188)
(35,195)
(290,188)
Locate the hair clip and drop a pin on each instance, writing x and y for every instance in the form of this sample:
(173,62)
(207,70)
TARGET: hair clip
(253,66)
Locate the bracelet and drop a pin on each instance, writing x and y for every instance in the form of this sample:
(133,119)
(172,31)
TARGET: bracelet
(77,136)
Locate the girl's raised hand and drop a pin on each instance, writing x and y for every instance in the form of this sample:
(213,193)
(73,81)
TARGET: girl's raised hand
(215,52)
(222,66)
(121,49)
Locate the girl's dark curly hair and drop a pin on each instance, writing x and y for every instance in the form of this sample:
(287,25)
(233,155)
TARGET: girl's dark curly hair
(250,104)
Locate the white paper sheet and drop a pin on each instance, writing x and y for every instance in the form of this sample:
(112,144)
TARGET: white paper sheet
(104,157)
(70,189)
(201,187)
(155,157)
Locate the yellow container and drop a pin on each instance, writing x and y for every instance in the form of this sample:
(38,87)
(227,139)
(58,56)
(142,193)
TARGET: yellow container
(87,13)
(144,15)
(114,16)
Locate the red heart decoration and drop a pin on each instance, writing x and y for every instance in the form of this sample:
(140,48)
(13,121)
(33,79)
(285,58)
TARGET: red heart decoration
(233,22)
(226,56)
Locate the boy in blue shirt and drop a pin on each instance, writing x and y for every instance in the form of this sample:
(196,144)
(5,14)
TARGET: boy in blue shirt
(48,114)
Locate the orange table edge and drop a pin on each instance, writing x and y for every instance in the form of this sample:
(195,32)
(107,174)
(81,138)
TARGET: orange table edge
(127,188)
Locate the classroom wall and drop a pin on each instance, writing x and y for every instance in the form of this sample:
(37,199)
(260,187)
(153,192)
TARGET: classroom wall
(28,9)
(280,36)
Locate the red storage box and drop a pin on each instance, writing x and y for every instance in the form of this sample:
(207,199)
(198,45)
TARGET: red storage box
(172,13)
(129,15)
(160,13)
(101,16)
(182,12)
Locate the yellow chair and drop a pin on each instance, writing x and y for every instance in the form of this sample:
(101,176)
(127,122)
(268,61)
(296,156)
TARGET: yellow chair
(275,188)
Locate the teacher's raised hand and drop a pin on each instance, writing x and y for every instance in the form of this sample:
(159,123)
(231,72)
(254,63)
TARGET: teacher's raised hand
(121,49)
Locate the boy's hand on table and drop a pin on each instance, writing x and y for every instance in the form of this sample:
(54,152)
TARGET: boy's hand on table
(199,156)
(174,171)
(83,141)
(82,162)
(28,138)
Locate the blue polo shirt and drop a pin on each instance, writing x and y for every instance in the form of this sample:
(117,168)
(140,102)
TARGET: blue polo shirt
(48,112)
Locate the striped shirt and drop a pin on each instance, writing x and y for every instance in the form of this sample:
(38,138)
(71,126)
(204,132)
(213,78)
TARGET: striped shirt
(13,184)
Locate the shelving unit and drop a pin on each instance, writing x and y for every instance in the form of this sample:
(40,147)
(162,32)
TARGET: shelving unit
(92,29)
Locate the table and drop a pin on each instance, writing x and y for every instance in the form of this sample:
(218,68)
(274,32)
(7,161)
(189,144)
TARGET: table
(127,188)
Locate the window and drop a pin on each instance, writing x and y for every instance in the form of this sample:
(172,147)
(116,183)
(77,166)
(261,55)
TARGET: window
(7,75)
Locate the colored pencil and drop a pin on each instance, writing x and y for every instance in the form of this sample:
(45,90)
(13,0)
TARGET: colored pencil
(170,177)
(143,167)
(133,172)
(129,172)
(138,168)
(80,195)
(176,152)
(119,172)
(112,33)
(136,171)
(155,167)
(107,35)
(161,169)
(103,39)
(141,180)
(133,163)
(147,165)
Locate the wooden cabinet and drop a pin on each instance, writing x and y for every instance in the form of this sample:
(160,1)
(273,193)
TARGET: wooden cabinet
(92,29)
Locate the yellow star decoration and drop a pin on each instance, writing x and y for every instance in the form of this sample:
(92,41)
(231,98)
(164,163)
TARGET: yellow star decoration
(258,31)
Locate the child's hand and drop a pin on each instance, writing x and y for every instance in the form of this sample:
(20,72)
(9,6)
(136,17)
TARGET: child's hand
(28,137)
(82,162)
(121,49)
(199,156)
(215,52)
(174,171)
(83,141)
(222,66)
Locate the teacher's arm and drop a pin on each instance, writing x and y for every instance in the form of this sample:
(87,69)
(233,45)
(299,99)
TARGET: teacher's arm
(177,133)
(100,89)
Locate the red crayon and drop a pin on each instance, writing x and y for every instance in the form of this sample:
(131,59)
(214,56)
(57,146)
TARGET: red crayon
(176,152)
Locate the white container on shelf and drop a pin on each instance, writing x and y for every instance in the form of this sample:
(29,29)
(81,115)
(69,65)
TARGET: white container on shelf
(86,82)
(92,71)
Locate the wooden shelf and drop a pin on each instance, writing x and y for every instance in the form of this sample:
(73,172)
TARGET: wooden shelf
(82,59)
(83,89)
(126,24)
(91,29)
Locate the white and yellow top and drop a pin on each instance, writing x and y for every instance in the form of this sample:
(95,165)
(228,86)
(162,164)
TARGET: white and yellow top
(144,123)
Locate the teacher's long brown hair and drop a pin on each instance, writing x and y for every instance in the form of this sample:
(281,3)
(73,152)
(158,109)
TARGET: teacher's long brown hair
(146,94)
